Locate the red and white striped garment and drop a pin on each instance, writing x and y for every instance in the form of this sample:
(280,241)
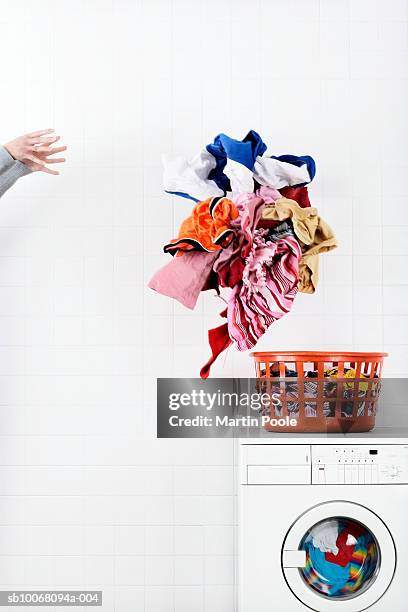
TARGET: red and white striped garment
(268,287)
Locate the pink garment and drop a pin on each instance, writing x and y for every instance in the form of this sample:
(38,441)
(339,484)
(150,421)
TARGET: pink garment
(183,278)
(268,288)
(230,263)
(268,194)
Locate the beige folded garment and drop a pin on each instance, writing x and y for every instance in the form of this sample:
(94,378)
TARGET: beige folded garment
(314,234)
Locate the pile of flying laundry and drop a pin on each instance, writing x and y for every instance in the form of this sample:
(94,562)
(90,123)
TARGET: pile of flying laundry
(251,230)
(341,558)
(291,391)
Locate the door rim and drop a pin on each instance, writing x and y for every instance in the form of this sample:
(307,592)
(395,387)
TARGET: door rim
(324,511)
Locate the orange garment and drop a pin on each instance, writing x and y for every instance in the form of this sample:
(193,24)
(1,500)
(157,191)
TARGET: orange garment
(207,228)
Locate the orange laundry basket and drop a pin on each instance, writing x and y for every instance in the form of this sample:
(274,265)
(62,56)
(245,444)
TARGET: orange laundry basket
(322,391)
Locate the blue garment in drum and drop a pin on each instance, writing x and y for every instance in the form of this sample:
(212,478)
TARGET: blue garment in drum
(335,576)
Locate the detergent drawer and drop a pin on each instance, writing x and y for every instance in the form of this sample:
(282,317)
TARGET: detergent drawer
(276,454)
(275,464)
(279,474)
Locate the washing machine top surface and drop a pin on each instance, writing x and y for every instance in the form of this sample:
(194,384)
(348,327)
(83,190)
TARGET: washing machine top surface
(379,435)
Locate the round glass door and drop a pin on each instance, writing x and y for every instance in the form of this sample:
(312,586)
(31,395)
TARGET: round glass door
(343,558)
(338,555)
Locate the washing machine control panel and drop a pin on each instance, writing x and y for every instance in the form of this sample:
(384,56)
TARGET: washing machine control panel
(360,465)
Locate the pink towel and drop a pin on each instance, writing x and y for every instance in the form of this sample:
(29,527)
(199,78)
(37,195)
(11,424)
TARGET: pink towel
(183,278)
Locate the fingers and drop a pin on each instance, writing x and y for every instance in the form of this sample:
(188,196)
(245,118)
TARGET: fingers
(48,170)
(47,151)
(37,150)
(44,154)
(56,160)
(58,149)
(39,133)
(40,140)
(43,150)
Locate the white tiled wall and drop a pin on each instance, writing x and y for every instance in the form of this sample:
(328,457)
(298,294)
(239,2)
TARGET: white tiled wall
(88,496)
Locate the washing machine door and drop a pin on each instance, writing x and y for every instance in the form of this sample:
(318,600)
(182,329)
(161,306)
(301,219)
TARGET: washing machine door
(338,556)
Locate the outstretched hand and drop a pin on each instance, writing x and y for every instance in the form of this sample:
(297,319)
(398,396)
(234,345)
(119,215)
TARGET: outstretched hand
(35,150)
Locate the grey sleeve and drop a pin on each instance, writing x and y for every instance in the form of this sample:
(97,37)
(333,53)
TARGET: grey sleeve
(10,170)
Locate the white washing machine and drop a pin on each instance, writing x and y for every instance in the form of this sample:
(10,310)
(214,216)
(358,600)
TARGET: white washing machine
(323,527)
